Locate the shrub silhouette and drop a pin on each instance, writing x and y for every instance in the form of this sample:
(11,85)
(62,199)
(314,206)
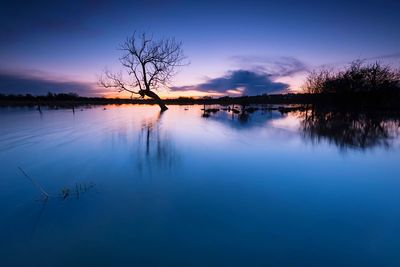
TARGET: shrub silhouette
(359,77)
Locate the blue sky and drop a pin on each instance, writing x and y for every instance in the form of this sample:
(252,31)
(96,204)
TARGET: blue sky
(64,44)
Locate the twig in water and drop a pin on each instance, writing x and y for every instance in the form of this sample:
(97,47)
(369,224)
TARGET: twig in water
(80,189)
(65,192)
(44,193)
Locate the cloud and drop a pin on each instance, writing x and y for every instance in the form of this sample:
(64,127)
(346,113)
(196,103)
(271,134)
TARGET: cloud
(38,83)
(238,82)
(275,66)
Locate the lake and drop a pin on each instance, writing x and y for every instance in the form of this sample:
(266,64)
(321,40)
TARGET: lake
(130,186)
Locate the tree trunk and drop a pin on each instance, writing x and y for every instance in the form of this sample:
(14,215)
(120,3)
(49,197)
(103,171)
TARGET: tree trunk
(158,100)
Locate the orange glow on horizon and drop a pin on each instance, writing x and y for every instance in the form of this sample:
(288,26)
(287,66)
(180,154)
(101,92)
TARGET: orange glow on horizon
(164,94)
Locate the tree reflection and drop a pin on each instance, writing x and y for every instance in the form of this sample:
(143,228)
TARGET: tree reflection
(156,150)
(346,129)
(350,129)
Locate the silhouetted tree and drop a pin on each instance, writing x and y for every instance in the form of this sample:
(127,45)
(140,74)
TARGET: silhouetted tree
(357,78)
(149,65)
(316,81)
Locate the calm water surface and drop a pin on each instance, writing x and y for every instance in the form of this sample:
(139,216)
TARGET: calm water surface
(132,187)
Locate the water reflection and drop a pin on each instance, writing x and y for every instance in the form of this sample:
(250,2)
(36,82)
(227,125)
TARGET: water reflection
(155,150)
(350,129)
(177,184)
(242,117)
(346,129)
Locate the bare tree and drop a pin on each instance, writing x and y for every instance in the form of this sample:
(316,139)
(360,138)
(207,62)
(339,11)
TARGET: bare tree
(149,65)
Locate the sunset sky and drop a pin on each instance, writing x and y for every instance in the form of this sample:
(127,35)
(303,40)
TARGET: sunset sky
(234,47)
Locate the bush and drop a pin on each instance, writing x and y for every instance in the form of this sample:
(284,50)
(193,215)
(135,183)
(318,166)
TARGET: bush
(358,77)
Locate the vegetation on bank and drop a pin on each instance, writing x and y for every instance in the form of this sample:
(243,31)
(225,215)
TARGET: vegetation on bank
(358,77)
(360,84)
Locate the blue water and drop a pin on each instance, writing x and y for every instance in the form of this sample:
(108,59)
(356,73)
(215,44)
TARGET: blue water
(179,189)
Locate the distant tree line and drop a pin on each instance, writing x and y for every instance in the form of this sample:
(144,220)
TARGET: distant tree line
(49,96)
(50,99)
(375,100)
(72,98)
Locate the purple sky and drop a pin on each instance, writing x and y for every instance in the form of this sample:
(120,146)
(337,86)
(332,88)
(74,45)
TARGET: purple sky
(248,47)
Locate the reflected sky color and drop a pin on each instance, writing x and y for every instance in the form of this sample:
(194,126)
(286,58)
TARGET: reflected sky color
(195,191)
(75,40)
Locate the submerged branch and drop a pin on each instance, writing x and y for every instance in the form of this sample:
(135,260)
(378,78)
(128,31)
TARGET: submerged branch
(37,185)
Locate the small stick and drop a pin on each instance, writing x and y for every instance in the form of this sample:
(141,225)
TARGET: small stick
(35,183)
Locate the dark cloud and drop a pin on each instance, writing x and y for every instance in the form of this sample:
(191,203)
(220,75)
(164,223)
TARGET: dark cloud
(279,67)
(242,81)
(17,83)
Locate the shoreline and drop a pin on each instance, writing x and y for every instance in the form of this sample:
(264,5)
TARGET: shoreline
(372,100)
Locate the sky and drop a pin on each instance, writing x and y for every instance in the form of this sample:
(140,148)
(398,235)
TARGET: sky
(234,47)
